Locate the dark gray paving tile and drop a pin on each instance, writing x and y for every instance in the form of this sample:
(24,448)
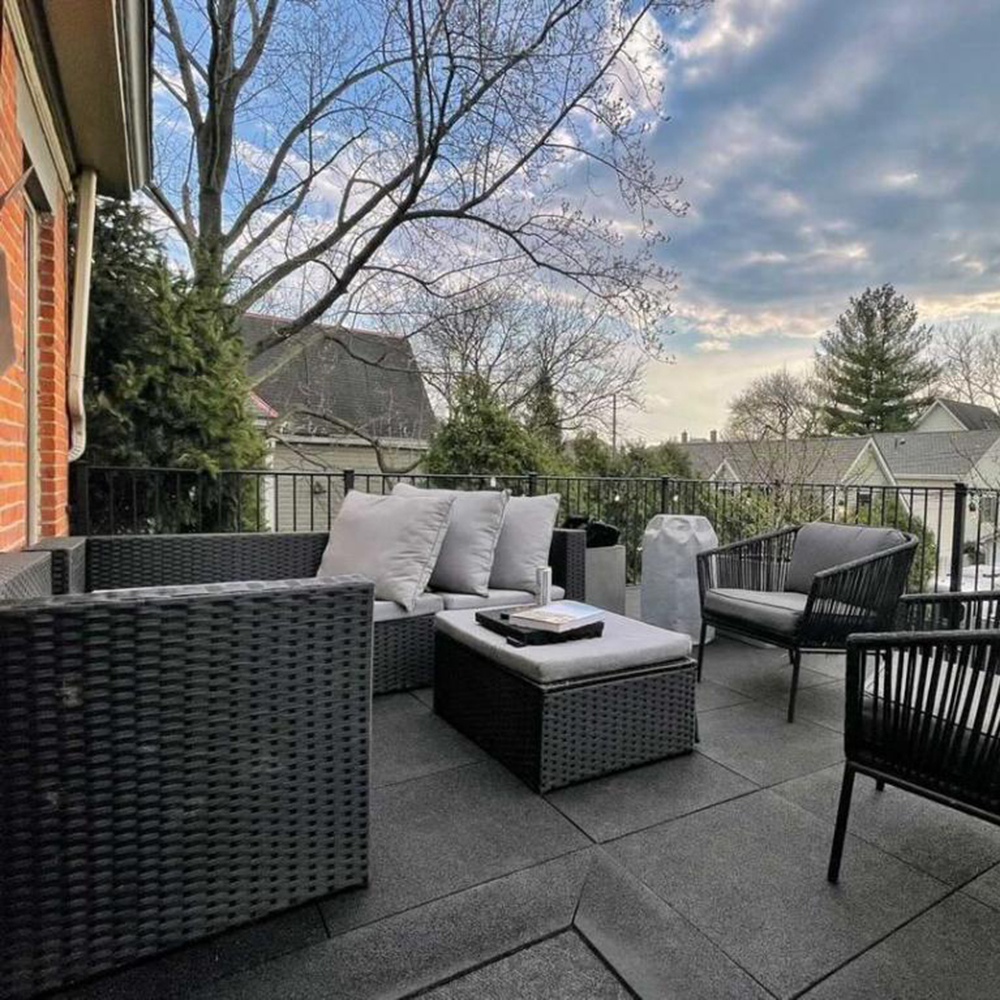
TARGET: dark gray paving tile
(986,888)
(762,674)
(410,741)
(751,875)
(709,695)
(833,665)
(429,944)
(630,800)
(436,835)
(948,953)
(755,740)
(193,968)
(942,842)
(562,966)
(822,704)
(426,695)
(655,950)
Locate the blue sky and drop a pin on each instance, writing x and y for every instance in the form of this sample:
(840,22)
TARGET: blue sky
(826,145)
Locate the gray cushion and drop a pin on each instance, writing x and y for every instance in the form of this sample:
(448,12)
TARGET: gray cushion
(494,599)
(626,643)
(820,546)
(425,604)
(525,540)
(466,556)
(776,612)
(394,541)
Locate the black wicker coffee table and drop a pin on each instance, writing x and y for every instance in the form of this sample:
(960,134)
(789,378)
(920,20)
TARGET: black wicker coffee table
(563,713)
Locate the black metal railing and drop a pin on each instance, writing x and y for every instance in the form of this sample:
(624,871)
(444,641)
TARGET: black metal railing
(956,525)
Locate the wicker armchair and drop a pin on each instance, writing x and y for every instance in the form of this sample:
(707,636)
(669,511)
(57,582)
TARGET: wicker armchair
(403,648)
(923,707)
(800,588)
(175,762)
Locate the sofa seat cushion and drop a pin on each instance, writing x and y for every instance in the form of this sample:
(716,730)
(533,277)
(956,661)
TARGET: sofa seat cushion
(495,598)
(774,611)
(426,604)
(820,546)
(626,643)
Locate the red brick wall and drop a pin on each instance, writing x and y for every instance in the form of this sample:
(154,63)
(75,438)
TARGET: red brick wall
(53,422)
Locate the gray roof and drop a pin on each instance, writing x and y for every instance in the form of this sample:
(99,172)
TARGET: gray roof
(368,380)
(972,416)
(909,454)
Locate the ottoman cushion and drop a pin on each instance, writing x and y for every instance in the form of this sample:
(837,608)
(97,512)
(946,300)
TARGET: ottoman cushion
(626,643)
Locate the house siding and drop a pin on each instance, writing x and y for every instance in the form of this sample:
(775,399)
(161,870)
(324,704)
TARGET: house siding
(52,417)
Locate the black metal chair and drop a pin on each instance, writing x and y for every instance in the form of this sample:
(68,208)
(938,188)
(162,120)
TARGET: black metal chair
(805,588)
(923,707)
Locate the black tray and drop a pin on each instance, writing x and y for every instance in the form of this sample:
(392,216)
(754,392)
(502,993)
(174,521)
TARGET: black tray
(498,620)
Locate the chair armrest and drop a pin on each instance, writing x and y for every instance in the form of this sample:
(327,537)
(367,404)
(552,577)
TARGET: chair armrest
(69,562)
(948,611)
(568,559)
(858,596)
(758,563)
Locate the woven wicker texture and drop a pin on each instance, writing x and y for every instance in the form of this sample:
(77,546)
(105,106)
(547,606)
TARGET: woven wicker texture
(176,764)
(69,563)
(554,736)
(24,575)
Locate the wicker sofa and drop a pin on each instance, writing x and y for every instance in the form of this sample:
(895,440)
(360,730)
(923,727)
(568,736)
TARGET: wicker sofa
(174,762)
(403,651)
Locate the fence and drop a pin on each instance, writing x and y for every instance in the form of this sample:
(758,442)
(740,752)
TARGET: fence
(956,524)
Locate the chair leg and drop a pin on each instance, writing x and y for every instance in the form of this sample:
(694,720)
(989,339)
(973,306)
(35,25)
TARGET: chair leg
(879,785)
(840,830)
(701,647)
(796,656)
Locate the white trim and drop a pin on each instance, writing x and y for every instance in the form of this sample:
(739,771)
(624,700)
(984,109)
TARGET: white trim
(732,477)
(39,100)
(348,441)
(81,311)
(879,461)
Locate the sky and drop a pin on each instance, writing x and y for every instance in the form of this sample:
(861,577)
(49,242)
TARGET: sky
(825,145)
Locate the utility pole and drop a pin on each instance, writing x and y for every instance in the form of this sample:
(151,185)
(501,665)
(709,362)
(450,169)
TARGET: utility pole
(614,424)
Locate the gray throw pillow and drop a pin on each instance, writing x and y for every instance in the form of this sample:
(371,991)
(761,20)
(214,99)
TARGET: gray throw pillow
(466,558)
(820,545)
(525,540)
(394,541)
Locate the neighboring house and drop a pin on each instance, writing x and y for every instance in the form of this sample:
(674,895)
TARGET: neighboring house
(334,405)
(923,463)
(74,122)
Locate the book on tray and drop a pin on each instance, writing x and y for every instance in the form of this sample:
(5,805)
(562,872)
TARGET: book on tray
(558,617)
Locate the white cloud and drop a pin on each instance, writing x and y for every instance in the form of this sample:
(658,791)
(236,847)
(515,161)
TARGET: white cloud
(900,180)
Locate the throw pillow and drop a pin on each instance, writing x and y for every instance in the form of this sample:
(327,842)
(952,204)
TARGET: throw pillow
(392,540)
(525,540)
(466,558)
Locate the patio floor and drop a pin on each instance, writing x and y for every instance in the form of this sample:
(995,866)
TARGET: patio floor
(697,877)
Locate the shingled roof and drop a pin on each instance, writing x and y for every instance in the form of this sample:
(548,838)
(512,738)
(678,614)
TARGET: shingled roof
(368,380)
(970,415)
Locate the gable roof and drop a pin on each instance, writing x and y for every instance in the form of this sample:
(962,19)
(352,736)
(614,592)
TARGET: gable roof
(910,454)
(368,380)
(971,416)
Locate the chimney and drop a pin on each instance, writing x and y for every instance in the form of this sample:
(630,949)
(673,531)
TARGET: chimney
(713,436)
(684,437)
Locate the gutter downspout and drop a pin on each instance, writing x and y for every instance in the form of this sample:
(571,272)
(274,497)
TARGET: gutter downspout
(87,204)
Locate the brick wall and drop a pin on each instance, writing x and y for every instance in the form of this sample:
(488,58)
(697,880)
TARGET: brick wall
(52,341)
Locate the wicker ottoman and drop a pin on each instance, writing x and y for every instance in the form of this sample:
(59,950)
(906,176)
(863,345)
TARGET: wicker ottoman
(566,712)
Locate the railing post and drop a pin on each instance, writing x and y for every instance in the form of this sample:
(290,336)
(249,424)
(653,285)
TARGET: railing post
(79,505)
(958,535)
(664,494)
(348,481)
(532,483)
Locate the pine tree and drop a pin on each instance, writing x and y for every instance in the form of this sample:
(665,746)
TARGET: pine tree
(873,367)
(544,419)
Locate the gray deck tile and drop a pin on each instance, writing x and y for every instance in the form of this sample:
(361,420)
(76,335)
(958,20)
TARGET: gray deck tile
(630,800)
(429,944)
(655,950)
(756,672)
(756,741)
(709,695)
(436,835)
(410,741)
(562,966)
(986,888)
(943,842)
(948,953)
(751,875)
(821,703)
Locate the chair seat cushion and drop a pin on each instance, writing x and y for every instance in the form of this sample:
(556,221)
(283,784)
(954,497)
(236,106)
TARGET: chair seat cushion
(426,604)
(495,598)
(626,643)
(820,546)
(773,611)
